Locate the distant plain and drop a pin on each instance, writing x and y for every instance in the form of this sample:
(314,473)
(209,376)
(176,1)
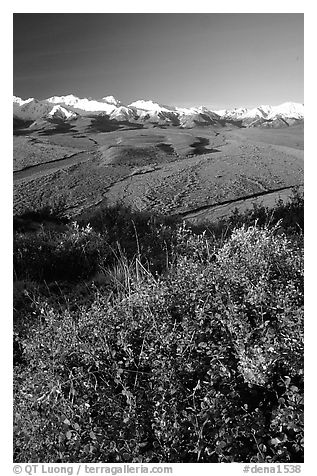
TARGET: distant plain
(199,173)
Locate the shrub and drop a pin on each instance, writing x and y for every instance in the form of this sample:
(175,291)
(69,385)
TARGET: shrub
(50,255)
(289,215)
(202,364)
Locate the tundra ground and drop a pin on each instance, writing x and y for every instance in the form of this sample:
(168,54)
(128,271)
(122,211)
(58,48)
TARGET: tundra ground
(162,169)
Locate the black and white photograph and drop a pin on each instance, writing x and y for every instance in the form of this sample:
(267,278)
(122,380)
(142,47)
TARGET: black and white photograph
(158,240)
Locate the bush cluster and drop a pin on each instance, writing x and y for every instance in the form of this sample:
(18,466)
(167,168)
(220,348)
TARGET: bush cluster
(200,362)
(69,255)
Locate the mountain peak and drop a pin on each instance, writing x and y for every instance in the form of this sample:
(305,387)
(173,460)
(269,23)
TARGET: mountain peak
(83,104)
(149,105)
(291,110)
(59,111)
(69,99)
(20,101)
(111,100)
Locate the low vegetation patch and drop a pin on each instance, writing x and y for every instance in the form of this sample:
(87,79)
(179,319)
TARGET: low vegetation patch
(138,340)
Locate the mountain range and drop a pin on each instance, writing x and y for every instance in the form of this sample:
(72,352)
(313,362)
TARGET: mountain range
(70,107)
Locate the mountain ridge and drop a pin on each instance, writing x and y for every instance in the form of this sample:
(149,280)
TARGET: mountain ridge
(71,107)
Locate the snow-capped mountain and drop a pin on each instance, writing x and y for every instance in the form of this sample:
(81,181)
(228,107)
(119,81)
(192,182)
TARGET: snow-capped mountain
(70,107)
(19,102)
(198,116)
(258,115)
(17,106)
(86,105)
(150,106)
(112,100)
(123,113)
(287,110)
(241,113)
(59,112)
(31,110)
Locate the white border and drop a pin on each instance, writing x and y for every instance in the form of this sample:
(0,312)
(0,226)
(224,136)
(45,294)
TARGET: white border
(163,6)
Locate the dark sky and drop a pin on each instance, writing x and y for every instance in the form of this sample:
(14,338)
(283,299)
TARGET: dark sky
(219,60)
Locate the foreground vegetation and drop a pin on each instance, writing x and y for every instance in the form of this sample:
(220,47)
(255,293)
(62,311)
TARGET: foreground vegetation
(138,340)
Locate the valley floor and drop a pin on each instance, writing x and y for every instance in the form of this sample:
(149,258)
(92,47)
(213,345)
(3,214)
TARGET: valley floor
(162,169)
